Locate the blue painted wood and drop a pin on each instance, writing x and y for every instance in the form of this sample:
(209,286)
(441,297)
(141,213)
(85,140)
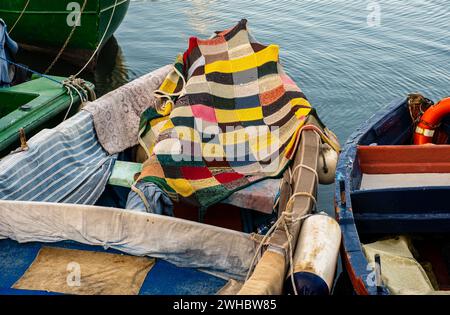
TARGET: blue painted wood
(163,279)
(388,127)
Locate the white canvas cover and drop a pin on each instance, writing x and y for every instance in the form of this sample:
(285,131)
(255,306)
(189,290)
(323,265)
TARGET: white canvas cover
(187,244)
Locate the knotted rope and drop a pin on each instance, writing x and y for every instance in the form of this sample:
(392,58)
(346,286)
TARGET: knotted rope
(80,87)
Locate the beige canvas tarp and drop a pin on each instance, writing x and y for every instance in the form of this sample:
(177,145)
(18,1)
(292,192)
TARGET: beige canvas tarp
(184,243)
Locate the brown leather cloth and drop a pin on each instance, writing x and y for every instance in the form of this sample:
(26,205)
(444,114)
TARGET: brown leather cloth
(55,270)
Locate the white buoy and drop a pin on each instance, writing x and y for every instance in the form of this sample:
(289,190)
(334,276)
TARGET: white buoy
(315,256)
(328,160)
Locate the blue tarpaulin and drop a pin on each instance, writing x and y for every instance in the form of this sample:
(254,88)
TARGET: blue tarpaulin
(8,48)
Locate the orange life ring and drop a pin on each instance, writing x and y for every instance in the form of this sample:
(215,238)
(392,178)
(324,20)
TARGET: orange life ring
(430,120)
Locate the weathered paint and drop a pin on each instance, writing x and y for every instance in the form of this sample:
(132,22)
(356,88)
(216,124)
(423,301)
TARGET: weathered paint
(317,249)
(32,104)
(401,159)
(43,26)
(376,129)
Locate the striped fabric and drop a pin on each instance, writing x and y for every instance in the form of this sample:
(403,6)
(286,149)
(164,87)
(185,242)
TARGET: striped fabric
(230,116)
(65,164)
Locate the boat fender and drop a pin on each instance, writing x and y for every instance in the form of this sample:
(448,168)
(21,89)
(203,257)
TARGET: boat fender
(315,256)
(430,121)
(327,164)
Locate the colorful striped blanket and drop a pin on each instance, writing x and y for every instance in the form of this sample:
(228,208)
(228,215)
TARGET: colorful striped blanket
(229,117)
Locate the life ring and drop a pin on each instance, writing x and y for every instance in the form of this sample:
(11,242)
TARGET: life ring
(430,120)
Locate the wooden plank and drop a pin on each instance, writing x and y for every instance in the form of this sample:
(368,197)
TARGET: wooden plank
(404,159)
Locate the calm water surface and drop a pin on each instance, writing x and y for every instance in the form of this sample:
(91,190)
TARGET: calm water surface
(347,67)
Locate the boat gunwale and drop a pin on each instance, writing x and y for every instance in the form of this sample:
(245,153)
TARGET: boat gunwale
(97,11)
(44,107)
(351,248)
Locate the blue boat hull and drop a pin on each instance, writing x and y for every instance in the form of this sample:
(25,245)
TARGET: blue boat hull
(365,214)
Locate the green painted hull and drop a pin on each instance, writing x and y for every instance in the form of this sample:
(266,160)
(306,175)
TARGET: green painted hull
(44,23)
(30,105)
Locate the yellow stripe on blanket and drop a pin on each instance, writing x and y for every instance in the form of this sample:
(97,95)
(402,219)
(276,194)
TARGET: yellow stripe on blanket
(236,115)
(302,112)
(248,62)
(168,86)
(264,142)
(237,136)
(187,134)
(249,114)
(300,102)
(181,186)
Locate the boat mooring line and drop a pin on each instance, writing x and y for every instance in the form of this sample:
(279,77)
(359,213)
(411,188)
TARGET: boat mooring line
(72,31)
(111,6)
(71,84)
(20,16)
(32,71)
(101,41)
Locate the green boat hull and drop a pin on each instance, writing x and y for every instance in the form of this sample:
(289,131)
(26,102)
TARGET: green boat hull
(31,105)
(45,25)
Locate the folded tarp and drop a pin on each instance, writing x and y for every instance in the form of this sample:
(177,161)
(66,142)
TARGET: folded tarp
(185,243)
(65,164)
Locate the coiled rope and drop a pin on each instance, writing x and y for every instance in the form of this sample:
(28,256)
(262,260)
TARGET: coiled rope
(79,86)
(286,219)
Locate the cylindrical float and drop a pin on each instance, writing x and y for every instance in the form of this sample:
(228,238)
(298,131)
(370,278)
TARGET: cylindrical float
(315,256)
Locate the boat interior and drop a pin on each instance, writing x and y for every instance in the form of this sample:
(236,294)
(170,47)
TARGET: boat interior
(402,189)
(250,210)
(163,278)
(10,101)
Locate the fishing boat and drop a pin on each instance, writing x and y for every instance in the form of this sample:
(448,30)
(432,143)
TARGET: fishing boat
(29,100)
(74,29)
(31,105)
(64,229)
(392,185)
(117,201)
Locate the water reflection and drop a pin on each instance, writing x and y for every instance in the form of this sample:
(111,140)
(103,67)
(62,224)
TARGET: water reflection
(110,73)
(201,16)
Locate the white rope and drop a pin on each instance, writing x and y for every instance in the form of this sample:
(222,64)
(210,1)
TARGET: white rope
(291,177)
(79,86)
(286,219)
(292,174)
(322,135)
(142,196)
(304,194)
(101,41)
(72,31)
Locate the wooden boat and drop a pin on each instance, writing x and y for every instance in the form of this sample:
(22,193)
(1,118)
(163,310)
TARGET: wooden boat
(57,19)
(392,201)
(64,205)
(31,105)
